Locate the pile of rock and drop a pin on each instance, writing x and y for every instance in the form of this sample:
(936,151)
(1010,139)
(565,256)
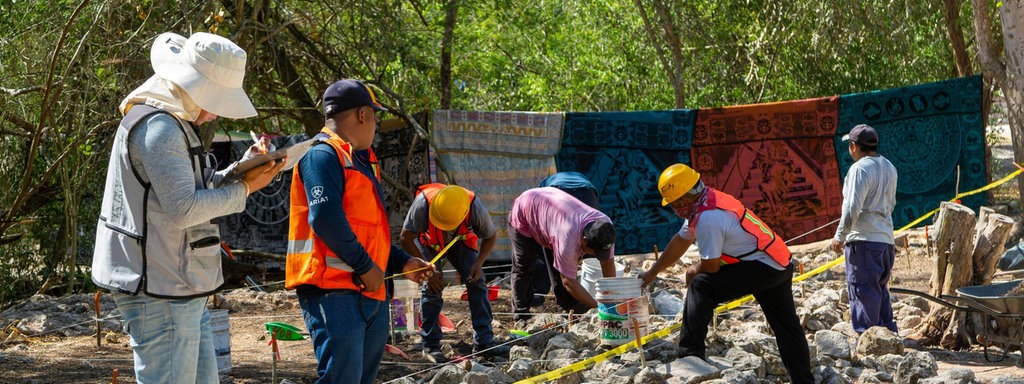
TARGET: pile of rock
(741,349)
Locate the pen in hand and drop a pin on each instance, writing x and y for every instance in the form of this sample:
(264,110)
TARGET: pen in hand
(259,143)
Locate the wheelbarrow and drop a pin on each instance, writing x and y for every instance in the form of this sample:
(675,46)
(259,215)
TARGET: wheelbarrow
(989,300)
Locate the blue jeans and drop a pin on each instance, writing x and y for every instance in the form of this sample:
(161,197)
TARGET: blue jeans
(868,265)
(171,339)
(349,331)
(462,258)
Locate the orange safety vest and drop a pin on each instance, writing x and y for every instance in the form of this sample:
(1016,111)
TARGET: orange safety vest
(310,261)
(767,240)
(434,237)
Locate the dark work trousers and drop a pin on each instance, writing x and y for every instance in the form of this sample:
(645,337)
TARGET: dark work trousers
(462,258)
(773,290)
(868,265)
(525,252)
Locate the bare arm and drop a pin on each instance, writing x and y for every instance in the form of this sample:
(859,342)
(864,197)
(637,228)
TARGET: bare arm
(675,249)
(577,291)
(408,241)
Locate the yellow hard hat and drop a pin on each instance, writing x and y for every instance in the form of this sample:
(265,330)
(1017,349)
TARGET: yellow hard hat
(675,181)
(449,207)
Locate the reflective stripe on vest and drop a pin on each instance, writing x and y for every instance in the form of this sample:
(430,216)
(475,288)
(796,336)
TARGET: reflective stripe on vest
(434,237)
(767,240)
(310,261)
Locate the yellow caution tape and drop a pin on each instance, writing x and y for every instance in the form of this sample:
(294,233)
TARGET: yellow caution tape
(591,362)
(436,258)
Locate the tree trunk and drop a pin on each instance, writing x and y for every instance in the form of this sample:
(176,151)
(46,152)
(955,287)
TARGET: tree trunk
(966,258)
(990,244)
(1008,76)
(951,11)
(675,45)
(952,245)
(668,47)
(953,268)
(450,15)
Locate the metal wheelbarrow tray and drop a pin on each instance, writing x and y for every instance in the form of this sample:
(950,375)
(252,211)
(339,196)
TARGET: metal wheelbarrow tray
(989,300)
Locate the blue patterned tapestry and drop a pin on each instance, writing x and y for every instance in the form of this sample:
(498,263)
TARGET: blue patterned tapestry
(623,153)
(498,155)
(932,133)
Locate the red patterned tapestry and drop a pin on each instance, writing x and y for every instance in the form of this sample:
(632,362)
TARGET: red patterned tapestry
(778,159)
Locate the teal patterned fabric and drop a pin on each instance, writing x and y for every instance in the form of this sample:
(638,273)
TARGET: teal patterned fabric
(932,133)
(622,153)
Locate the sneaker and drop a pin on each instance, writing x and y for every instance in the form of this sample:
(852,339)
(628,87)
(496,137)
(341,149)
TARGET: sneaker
(491,351)
(434,355)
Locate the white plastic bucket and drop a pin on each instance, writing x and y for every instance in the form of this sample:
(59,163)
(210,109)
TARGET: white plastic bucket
(620,300)
(591,272)
(405,307)
(221,328)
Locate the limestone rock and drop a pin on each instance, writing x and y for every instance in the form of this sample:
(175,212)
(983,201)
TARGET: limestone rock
(745,361)
(833,344)
(622,376)
(877,341)
(649,375)
(952,376)
(519,369)
(521,352)
(449,374)
(690,369)
(824,374)
(916,365)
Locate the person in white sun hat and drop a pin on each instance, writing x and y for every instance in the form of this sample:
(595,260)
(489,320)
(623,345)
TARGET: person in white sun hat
(156,249)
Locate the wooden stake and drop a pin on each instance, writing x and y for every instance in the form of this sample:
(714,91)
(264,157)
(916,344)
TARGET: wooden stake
(115,376)
(906,250)
(639,344)
(99,331)
(927,242)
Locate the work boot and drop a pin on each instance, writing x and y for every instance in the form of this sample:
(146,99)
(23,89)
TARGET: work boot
(491,351)
(434,355)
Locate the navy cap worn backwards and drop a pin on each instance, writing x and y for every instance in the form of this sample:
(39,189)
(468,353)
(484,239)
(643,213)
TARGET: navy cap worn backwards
(347,94)
(600,237)
(862,134)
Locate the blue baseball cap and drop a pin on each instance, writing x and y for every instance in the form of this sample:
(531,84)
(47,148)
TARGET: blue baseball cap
(862,134)
(347,94)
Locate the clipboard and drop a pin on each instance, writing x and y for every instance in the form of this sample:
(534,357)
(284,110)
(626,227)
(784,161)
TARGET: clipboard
(293,152)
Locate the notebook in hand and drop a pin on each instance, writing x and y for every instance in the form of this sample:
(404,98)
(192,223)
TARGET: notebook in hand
(293,152)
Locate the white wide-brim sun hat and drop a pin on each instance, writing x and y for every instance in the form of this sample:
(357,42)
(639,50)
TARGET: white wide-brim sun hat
(208,67)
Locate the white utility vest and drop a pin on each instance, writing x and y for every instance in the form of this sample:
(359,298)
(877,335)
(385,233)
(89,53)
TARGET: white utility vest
(138,248)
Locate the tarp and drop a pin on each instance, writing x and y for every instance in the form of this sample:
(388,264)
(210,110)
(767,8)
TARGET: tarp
(498,155)
(403,159)
(932,133)
(263,225)
(777,158)
(622,153)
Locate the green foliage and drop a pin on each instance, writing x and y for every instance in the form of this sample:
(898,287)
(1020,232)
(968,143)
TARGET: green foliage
(528,55)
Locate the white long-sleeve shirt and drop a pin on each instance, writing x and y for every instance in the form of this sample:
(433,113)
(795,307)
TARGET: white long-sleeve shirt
(869,196)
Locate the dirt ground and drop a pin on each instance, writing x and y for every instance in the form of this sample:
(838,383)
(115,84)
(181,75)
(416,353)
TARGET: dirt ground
(79,360)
